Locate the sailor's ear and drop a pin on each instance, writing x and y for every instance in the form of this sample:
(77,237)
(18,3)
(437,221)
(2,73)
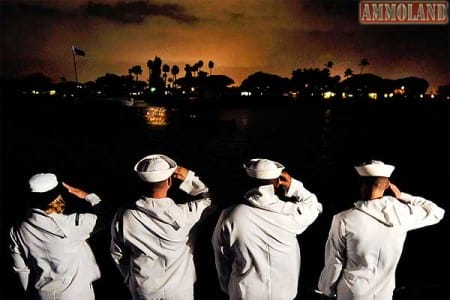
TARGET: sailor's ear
(387,183)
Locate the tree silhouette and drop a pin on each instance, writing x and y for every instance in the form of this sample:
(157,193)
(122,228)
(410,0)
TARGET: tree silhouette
(137,70)
(174,71)
(210,66)
(329,65)
(194,69)
(165,69)
(188,70)
(155,79)
(363,63)
(149,66)
(200,65)
(348,72)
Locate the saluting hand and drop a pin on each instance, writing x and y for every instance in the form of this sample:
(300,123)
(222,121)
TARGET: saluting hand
(75,191)
(395,190)
(284,181)
(180,173)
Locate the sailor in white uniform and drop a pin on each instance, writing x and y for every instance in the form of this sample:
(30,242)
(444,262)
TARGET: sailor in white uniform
(365,242)
(151,243)
(255,243)
(49,249)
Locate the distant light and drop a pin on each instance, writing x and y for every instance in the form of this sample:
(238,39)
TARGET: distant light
(328,95)
(403,87)
(432,96)
(385,95)
(421,96)
(373,96)
(192,89)
(52,92)
(391,95)
(246,93)
(152,89)
(344,95)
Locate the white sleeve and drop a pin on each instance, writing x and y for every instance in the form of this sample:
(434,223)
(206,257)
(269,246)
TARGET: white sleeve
(422,212)
(19,264)
(220,242)
(193,210)
(93,199)
(193,185)
(334,258)
(308,206)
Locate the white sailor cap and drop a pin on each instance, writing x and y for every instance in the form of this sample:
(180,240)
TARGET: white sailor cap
(375,168)
(155,167)
(262,168)
(43,182)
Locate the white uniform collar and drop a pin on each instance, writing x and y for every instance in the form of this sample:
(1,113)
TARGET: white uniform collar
(157,208)
(377,209)
(264,197)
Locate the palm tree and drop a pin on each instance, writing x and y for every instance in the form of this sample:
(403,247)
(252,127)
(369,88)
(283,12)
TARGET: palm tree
(200,64)
(194,69)
(348,72)
(149,66)
(165,69)
(188,70)
(174,71)
(363,63)
(329,65)
(210,66)
(137,70)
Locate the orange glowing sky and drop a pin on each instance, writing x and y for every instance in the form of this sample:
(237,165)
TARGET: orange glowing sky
(241,37)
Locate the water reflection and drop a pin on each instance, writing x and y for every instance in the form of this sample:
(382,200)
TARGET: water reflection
(239,117)
(156,115)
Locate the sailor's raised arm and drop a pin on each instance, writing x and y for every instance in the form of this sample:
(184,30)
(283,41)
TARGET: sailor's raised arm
(422,212)
(191,183)
(305,200)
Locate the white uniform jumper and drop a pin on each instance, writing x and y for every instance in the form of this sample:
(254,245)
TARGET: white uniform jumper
(51,255)
(255,244)
(365,244)
(150,244)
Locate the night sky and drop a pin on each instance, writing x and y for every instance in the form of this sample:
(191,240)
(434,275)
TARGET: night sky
(241,37)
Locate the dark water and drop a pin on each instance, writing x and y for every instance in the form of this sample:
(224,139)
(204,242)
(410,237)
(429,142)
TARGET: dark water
(95,144)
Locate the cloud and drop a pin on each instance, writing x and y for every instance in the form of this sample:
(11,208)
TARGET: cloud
(134,12)
(29,9)
(137,11)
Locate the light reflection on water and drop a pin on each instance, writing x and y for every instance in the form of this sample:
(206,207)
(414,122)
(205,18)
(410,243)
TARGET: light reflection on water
(161,116)
(156,115)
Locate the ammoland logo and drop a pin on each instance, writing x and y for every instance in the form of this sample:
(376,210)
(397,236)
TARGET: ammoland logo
(403,12)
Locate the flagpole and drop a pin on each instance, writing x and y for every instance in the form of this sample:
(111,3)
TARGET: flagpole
(75,65)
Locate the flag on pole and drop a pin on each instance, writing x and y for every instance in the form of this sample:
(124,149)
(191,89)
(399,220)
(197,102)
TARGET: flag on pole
(77,51)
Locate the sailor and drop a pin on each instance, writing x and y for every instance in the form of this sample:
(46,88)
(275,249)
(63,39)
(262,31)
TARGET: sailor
(151,243)
(365,242)
(255,243)
(49,248)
